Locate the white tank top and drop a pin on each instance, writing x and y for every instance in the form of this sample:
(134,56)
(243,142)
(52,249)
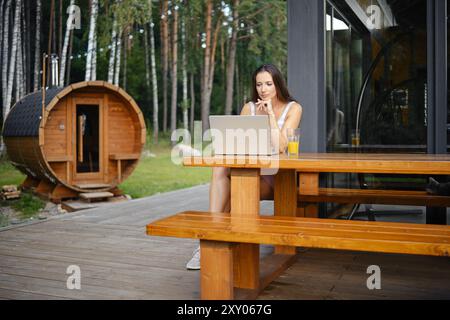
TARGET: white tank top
(282,118)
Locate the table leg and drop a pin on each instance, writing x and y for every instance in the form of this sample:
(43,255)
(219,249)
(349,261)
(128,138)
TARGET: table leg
(216,276)
(119,170)
(245,197)
(309,185)
(285,201)
(435,215)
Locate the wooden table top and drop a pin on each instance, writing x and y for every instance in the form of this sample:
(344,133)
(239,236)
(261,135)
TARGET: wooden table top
(334,162)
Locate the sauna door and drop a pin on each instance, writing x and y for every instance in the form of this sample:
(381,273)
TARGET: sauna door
(88,140)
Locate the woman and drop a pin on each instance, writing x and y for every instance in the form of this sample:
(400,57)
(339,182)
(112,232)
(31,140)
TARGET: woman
(270,97)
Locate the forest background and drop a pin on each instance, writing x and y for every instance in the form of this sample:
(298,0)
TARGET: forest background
(181,60)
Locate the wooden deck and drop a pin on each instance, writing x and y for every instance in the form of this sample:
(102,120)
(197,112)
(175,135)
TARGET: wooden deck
(119,261)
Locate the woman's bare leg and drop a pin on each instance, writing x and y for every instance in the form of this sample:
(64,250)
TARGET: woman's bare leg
(219,190)
(266,190)
(219,200)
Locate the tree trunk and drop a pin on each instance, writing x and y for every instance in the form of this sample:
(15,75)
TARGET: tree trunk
(60,30)
(165,57)
(37,47)
(192,103)
(112,54)
(185,104)
(238,101)
(206,68)
(125,54)
(118,55)
(6,57)
(2,66)
(69,59)
(62,66)
(27,48)
(94,59)
(12,63)
(54,35)
(209,65)
(147,69)
(1,43)
(222,60)
(91,53)
(232,60)
(173,111)
(213,62)
(154,79)
(19,62)
(50,35)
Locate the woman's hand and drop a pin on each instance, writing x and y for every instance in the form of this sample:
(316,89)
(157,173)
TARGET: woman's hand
(265,106)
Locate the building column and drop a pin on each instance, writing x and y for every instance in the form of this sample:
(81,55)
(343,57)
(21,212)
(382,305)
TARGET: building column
(306,69)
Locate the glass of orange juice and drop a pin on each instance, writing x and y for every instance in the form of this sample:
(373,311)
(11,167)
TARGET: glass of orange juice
(355,138)
(293,136)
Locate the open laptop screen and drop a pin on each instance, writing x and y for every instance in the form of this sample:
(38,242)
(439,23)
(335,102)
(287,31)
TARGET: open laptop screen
(241,135)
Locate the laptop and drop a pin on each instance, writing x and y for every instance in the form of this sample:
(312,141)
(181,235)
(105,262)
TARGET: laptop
(241,135)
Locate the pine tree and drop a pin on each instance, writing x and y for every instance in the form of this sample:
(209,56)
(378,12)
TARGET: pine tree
(165,56)
(12,63)
(62,70)
(173,109)
(154,77)
(231,65)
(37,47)
(91,58)
(5,56)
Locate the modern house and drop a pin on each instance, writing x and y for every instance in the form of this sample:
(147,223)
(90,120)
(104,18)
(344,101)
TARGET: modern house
(371,76)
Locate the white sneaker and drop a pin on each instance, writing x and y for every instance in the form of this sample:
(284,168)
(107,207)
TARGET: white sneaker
(194,263)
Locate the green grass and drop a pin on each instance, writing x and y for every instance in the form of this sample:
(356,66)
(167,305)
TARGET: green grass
(151,176)
(28,205)
(160,174)
(10,175)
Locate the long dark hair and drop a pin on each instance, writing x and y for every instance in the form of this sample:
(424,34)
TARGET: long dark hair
(280,85)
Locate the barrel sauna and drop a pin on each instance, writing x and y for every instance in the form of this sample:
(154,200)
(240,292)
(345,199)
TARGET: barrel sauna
(89,139)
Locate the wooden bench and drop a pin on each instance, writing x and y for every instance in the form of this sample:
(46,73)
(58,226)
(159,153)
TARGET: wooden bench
(220,233)
(119,157)
(307,203)
(396,197)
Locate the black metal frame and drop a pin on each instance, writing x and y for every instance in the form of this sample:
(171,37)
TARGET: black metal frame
(437,76)
(437,89)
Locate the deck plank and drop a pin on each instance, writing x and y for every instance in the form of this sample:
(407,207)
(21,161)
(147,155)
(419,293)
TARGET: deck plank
(119,261)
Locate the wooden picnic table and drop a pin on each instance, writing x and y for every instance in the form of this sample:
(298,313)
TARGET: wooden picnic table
(309,166)
(249,274)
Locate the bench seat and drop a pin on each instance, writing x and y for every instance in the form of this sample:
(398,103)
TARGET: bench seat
(396,197)
(368,236)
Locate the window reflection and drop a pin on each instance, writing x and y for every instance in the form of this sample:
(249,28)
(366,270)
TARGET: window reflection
(376,72)
(448,82)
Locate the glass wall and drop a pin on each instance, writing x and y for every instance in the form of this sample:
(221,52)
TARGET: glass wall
(376,74)
(448,80)
(376,84)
